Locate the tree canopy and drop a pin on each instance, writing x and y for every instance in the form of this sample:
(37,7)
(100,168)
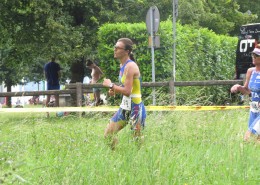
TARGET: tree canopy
(34,30)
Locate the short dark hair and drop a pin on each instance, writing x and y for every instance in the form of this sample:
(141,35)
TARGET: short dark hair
(89,62)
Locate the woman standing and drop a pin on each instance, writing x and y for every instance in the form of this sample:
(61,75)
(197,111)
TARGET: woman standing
(96,74)
(131,109)
(252,86)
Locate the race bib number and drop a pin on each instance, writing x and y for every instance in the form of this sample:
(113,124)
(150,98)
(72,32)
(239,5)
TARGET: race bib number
(126,103)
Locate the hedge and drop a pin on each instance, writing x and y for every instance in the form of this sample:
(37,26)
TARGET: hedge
(200,55)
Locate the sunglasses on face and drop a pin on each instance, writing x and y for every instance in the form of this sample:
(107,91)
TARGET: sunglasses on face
(255,55)
(117,47)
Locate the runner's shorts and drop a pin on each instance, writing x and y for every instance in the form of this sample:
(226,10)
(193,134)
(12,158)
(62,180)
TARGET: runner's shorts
(137,115)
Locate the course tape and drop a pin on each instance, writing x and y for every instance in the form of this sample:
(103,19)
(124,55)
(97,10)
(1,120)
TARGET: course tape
(115,108)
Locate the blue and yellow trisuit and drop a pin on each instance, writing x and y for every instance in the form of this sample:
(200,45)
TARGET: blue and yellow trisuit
(132,109)
(254,87)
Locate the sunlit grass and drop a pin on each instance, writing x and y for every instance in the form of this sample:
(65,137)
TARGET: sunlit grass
(179,148)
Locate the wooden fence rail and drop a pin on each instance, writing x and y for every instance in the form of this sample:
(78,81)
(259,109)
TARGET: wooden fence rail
(79,88)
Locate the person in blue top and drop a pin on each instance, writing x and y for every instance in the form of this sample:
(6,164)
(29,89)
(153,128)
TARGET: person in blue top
(52,74)
(132,110)
(252,86)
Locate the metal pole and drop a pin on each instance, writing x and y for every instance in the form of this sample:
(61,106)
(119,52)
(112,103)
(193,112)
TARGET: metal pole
(152,50)
(174,46)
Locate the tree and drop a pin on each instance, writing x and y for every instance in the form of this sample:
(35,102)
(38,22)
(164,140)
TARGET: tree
(32,31)
(222,16)
(249,7)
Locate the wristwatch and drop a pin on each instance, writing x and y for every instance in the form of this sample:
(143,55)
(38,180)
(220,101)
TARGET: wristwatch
(111,86)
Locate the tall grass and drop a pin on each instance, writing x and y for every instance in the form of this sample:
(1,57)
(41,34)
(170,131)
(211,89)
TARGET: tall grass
(179,148)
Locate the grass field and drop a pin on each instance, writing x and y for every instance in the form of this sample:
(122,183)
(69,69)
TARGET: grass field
(180,147)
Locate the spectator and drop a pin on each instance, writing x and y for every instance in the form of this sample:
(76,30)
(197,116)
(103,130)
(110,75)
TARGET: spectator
(96,75)
(52,74)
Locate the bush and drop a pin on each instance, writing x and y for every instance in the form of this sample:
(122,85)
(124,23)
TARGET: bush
(200,55)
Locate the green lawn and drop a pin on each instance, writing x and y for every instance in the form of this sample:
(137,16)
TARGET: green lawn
(179,147)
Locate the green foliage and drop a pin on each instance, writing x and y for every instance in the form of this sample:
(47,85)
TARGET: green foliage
(250,11)
(35,30)
(201,55)
(223,17)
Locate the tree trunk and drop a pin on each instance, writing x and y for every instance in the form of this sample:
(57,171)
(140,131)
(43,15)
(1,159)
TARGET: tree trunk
(9,99)
(77,70)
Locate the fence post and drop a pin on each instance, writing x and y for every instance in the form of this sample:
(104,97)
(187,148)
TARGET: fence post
(79,93)
(171,86)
